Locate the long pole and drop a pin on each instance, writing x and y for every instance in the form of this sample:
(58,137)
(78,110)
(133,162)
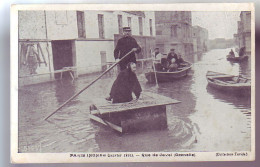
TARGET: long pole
(88,85)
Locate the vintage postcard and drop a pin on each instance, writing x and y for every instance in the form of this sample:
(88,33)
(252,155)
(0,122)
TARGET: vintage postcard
(132,82)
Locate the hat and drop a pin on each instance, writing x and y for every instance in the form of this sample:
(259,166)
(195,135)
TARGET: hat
(126,29)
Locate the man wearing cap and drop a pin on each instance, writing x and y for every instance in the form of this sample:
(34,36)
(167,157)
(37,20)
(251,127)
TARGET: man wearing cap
(125,45)
(171,55)
(157,55)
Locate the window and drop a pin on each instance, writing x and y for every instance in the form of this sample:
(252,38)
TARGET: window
(120,24)
(182,15)
(174,31)
(129,22)
(101,26)
(81,24)
(140,19)
(176,16)
(151,27)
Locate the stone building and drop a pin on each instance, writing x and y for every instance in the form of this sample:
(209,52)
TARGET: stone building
(83,40)
(200,39)
(243,36)
(174,30)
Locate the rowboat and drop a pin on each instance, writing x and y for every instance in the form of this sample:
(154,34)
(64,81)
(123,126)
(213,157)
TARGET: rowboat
(229,83)
(148,113)
(168,76)
(237,59)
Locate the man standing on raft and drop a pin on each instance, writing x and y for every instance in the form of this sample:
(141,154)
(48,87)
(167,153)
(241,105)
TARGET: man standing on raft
(125,45)
(127,69)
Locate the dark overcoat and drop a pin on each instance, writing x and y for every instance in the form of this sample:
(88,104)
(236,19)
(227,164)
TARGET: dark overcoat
(125,45)
(124,85)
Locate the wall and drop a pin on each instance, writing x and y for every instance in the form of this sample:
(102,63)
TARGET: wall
(63,27)
(244,31)
(31,25)
(88,55)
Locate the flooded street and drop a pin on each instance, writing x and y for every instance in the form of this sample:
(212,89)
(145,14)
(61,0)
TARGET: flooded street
(205,120)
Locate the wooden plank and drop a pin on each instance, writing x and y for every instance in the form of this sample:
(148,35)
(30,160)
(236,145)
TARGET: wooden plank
(113,126)
(94,112)
(147,100)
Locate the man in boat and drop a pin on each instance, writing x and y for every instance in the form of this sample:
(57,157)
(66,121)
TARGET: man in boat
(157,59)
(242,51)
(171,55)
(125,84)
(125,45)
(231,54)
(157,55)
(180,62)
(173,66)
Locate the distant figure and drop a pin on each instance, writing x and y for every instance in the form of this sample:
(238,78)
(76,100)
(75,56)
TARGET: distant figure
(231,54)
(125,45)
(171,55)
(32,59)
(242,51)
(125,84)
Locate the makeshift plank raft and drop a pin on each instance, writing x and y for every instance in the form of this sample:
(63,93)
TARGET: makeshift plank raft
(148,113)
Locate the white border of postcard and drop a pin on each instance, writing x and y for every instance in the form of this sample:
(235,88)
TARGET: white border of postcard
(137,156)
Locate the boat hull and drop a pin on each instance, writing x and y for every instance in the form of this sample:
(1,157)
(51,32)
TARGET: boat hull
(241,88)
(166,76)
(238,59)
(132,121)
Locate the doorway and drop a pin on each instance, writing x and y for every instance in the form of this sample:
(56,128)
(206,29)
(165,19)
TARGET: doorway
(62,56)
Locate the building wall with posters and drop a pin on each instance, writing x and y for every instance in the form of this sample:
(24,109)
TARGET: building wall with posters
(82,39)
(201,38)
(174,30)
(243,36)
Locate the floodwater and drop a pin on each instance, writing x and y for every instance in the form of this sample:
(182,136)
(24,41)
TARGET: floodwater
(205,120)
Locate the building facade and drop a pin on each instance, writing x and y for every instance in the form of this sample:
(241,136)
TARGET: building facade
(200,39)
(243,36)
(84,40)
(174,30)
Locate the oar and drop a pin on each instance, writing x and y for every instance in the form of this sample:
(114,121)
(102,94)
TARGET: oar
(88,85)
(155,75)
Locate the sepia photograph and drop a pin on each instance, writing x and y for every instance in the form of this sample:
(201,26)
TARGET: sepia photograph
(113,83)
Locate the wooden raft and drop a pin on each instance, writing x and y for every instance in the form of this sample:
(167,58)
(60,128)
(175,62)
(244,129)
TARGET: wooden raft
(148,113)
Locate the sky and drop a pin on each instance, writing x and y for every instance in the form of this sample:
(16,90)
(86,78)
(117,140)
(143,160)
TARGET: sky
(219,24)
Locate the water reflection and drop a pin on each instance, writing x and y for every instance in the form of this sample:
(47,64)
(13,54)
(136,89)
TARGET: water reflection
(179,137)
(239,101)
